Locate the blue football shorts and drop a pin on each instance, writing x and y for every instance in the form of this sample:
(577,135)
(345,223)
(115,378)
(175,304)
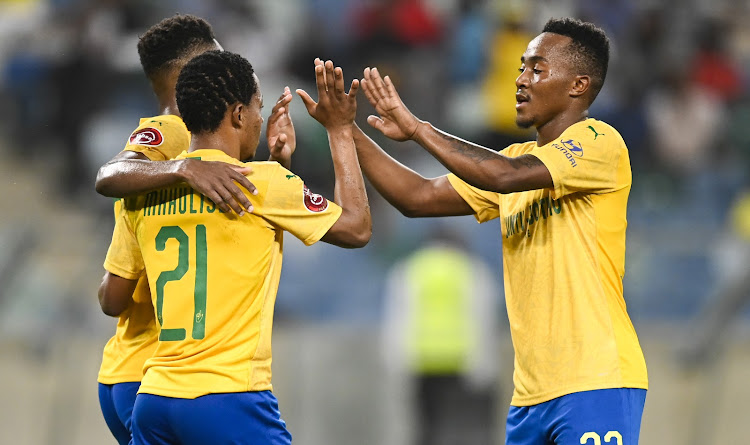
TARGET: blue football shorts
(116,402)
(226,418)
(599,417)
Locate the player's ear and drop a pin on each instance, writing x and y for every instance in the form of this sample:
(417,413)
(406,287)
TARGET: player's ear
(580,85)
(238,115)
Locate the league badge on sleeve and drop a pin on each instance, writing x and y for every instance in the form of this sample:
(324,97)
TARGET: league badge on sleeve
(314,202)
(146,136)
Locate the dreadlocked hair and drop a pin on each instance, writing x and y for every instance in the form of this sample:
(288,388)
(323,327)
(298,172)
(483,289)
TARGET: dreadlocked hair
(171,40)
(209,84)
(589,50)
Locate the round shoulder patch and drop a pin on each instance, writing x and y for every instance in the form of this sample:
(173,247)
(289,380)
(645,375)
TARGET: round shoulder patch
(314,202)
(146,136)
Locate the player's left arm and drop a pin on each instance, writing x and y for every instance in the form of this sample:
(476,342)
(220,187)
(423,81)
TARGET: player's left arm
(115,294)
(478,166)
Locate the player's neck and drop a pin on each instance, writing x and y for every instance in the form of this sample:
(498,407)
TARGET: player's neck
(164,88)
(168,106)
(551,130)
(219,140)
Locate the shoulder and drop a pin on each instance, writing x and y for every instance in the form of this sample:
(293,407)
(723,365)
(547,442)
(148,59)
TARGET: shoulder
(159,137)
(518,149)
(271,170)
(595,133)
(151,130)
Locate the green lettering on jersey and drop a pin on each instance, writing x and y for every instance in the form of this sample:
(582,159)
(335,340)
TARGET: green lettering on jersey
(557,206)
(192,209)
(182,207)
(172,202)
(163,195)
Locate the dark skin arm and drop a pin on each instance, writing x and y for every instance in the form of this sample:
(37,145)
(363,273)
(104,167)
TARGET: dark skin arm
(130,173)
(335,110)
(479,166)
(406,190)
(115,294)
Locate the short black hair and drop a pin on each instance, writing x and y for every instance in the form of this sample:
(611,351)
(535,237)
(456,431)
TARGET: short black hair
(209,84)
(589,49)
(171,40)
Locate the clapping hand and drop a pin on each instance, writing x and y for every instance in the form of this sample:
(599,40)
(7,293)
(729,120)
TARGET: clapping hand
(335,108)
(395,121)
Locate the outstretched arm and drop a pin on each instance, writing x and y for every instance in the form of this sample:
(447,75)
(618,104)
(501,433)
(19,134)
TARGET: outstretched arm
(335,110)
(406,190)
(130,173)
(479,166)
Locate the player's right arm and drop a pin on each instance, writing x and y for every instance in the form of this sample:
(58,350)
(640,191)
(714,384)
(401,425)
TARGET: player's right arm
(406,190)
(115,294)
(162,138)
(123,266)
(336,110)
(131,172)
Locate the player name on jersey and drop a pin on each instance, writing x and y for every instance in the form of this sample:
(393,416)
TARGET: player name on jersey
(177,201)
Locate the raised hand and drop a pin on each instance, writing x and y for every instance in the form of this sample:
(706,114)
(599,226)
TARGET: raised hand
(335,108)
(282,140)
(216,180)
(395,121)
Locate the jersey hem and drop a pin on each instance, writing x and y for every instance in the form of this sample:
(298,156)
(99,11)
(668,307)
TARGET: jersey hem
(536,400)
(110,380)
(177,394)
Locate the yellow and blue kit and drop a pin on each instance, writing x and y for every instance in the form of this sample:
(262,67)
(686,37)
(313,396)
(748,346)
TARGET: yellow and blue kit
(159,138)
(563,264)
(213,279)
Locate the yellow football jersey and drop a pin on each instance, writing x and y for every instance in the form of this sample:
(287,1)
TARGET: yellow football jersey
(214,277)
(159,138)
(564,261)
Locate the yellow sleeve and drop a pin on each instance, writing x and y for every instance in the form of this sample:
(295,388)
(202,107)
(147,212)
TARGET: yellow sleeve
(159,138)
(486,205)
(291,206)
(124,255)
(583,160)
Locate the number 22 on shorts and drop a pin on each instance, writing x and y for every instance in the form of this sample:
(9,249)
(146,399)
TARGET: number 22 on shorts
(598,440)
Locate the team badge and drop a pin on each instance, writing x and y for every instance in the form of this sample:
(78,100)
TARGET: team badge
(314,202)
(574,147)
(146,136)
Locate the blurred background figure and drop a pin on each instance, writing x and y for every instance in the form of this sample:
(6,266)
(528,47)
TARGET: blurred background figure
(440,340)
(724,305)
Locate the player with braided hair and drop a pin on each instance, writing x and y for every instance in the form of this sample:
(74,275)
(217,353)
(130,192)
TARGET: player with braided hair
(164,49)
(209,380)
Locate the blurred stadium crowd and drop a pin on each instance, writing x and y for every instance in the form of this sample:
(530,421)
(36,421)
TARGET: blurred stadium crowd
(71,90)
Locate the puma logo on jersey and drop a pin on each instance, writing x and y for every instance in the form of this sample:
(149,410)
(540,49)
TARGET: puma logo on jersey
(291,176)
(596,134)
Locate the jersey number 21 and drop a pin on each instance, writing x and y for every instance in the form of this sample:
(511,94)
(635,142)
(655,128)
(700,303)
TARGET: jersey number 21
(199,294)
